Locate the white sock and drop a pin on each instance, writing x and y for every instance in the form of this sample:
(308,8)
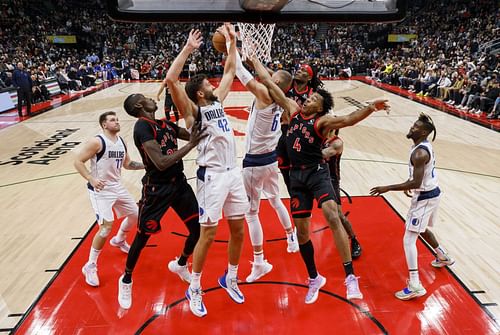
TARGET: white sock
(232,271)
(414,279)
(195,280)
(94,254)
(258,257)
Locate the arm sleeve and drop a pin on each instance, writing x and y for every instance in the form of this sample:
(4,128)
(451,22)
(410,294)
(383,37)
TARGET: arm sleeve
(241,71)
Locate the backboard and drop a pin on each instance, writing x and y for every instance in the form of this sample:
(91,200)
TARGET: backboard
(265,11)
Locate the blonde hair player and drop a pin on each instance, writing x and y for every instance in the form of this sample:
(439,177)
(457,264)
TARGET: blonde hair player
(107,153)
(422,187)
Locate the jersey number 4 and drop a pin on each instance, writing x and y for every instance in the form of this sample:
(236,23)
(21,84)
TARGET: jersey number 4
(296,144)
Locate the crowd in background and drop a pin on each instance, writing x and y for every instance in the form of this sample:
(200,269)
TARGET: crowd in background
(445,60)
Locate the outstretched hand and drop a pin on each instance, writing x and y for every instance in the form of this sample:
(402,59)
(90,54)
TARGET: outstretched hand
(197,134)
(378,190)
(381,104)
(195,39)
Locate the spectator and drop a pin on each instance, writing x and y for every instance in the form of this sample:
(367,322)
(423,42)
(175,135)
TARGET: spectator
(21,80)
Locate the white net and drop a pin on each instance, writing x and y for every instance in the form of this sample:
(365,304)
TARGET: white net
(256,40)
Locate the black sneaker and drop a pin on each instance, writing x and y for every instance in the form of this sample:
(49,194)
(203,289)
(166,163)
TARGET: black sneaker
(355,249)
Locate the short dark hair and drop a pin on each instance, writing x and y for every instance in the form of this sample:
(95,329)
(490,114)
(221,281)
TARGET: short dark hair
(129,104)
(194,85)
(428,124)
(104,116)
(327,100)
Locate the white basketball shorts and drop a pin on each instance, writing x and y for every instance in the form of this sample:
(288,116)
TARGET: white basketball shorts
(260,179)
(220,191)
(112,197)
(422,214)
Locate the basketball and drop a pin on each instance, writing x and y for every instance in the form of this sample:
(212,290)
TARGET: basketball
(219,42)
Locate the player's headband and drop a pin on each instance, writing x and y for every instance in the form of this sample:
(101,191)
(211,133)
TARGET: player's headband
(308,69)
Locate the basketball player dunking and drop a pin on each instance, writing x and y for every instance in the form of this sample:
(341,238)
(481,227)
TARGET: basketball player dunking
(310,177)
(220,184)
(422,214)
(260,172)
(107,153)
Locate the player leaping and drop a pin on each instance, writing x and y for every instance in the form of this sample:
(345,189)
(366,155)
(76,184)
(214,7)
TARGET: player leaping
(260,165)
(219,184)
(310,177)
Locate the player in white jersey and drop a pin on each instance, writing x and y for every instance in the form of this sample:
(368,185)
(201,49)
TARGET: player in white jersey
(219,184)
(422,187)
(260,165)
(107,153)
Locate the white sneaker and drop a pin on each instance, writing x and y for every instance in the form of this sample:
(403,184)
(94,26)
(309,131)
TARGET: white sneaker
(196,304)
(314,286)
(89,270)
(258,271)
(231,287)
(180,270)
(293,243)
(353,292)
(439,263)
(124,293)
(123,245)
(411,291)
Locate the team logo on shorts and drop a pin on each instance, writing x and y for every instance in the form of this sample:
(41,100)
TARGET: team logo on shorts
(414,222)
(151,225)
(295,202)
(201,211)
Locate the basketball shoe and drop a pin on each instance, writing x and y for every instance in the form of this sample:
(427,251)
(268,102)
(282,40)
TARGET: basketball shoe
(124,293)
(293,243)
(181,270)
(314,286)
(439,263)
(89,270)
(258,271)
(123,245)
(352,285)
(411,291)
(231,287)
(196,304)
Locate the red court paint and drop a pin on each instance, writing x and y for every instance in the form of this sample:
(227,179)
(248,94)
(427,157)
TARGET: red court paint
(274,304)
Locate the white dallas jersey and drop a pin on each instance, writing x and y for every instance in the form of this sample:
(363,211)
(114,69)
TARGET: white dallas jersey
(218,149)
(263,129)
(107,164)
(430,180)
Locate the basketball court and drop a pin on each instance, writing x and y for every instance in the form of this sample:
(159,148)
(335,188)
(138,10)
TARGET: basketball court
(48,224)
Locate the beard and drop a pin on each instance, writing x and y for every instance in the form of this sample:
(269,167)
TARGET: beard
(409,135)
(211,97)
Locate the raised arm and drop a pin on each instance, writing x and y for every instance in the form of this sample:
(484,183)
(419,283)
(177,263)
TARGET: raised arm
(187,107)
(160,91)
(330,122)
(275,91)
(259,90)
(222,90)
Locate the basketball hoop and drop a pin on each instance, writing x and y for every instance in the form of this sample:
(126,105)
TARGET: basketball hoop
(256,40)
